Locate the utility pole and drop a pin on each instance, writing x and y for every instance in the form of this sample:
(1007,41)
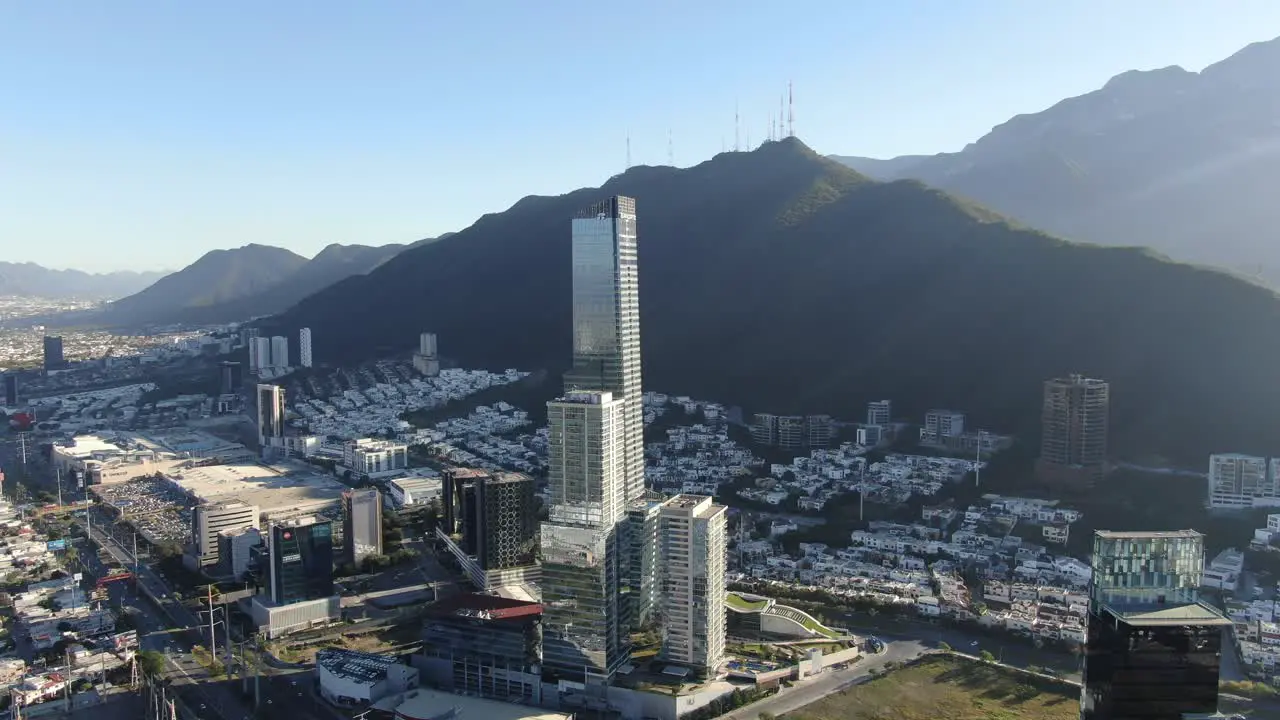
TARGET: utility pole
(213,639)
(977,459)
(66,687)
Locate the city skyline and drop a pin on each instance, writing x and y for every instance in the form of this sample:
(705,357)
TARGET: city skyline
(185,151)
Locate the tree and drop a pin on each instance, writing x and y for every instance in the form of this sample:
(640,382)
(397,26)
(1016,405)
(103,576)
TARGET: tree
(151,662)
(986,656)
(945,647)
(767,716)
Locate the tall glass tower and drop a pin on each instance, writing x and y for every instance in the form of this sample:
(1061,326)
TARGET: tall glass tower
(606,321)
(583,636)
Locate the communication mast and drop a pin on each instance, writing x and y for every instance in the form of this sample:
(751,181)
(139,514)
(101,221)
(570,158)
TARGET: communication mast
(628,149)
(671,153)
(791,111)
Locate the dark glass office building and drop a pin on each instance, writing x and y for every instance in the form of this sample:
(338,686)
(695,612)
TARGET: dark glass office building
(493,515)
(11,389)
(1153,648)
(231,377)
(301,564)
(53,358)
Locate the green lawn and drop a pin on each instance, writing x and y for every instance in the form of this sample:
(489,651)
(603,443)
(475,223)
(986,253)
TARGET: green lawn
(737,602)
(950,688)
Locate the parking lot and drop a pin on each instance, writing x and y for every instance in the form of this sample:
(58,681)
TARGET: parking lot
(158,510)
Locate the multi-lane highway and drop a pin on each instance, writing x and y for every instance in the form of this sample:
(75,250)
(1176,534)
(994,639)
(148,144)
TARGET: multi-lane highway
(163,622)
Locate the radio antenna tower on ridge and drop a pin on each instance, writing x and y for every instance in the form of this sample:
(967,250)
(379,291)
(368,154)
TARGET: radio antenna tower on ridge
(628,149)
(671,153)
(791,111)
(782,116)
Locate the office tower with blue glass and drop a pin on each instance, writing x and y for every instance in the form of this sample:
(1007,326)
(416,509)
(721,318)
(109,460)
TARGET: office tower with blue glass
(1153,647)
(606,322)
(596,456)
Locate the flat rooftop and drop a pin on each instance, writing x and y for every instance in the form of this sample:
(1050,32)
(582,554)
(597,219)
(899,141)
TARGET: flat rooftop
(270,487)
(425,704)
(1136,534)
(1166,615)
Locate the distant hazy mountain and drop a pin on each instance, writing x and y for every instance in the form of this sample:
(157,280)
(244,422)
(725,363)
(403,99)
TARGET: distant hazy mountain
(1187,163)
(219,276)
(331,265)
(31,280)
(254,280)
(785,282)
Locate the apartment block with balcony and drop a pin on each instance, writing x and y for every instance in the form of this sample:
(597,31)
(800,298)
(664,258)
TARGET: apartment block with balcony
(692,552)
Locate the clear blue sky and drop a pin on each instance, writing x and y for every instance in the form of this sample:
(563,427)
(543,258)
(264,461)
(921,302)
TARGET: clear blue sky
(142,134)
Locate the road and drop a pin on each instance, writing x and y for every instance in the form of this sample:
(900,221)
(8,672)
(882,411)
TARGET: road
(809,691)
(1009,649)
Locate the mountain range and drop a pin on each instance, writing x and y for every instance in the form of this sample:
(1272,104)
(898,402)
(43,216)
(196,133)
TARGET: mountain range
(786,282)
(1186,163)
(240,283)
(31,280)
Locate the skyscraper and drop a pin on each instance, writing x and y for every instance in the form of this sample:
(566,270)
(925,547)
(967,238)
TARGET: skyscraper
(301,561)
(1073,426)
(11,389)
(584,638)
(1153,647)
(270,413)
(279,352)
(53,358)
(426,360)
(304,347)
(231,377)
(606,321)
(361,524)
(259,354)
(693,541)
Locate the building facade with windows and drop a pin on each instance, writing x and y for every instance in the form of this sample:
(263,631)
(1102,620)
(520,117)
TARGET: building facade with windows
(1153,647)
(583,633)
(1073,432)
(693,545)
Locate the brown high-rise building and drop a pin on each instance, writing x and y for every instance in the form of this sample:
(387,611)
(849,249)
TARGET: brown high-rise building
(1073,427)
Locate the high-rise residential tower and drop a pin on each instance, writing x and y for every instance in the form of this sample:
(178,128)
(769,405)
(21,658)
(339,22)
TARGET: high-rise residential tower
(361,524)
(304,347)
(259,354)
(427,359)
(1073,426)
(606,321)
(270,413)
(1153,646)
(693,541)
(279,352)
(584,638)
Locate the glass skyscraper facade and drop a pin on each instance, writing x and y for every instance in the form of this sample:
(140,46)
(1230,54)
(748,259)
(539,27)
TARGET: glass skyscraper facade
(1153,648)
(606,321)
(301,559)
(583,636)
